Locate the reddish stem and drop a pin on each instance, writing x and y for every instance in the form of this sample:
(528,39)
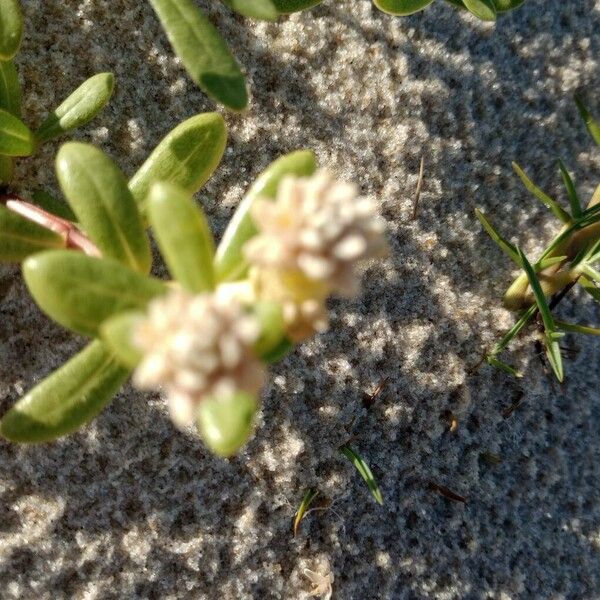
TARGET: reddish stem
(73,237)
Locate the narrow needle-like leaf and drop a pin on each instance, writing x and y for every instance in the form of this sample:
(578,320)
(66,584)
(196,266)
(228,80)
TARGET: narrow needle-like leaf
(577,328)
(592,125)
(307,500)
(504,244)
(558,212)
(363,468)
(571,191)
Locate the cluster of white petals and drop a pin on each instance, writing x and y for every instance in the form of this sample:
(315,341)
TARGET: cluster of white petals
(195,347)
(318,226)
(310,242)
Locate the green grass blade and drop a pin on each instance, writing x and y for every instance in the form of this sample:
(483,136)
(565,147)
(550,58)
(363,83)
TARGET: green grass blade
(552,347)
(558,212)
(202,51)
(590,288)
(592,273)
(11,28)
(10,88)
(80,292)
(183,236)
(571,191)
(363,468)
(307,500)
(503,243)
(67,399)
(15,137)
(98,194)
(514,331)
(577,328)
(79,108)
(186,156)
(495,362)
(230,263)
(592,125)
(20,237)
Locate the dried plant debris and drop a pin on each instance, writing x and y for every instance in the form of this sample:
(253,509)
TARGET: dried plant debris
(569,260)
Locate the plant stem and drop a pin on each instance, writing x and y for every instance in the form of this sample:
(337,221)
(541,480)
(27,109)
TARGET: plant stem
(74,238)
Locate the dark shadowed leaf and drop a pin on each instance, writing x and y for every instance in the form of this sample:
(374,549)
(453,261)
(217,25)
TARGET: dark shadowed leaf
(10,88)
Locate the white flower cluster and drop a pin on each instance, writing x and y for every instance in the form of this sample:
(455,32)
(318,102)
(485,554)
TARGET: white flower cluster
(195,347)
(311,240)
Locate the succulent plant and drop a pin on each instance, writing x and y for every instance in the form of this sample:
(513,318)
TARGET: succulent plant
(16,138)
(210,63)
(569,260)
(204,338)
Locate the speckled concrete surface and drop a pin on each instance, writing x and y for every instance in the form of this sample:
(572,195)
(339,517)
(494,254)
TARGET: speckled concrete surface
(132,508)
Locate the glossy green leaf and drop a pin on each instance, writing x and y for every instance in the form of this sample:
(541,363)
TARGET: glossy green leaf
(67,399)
(592,125)
(19,237)
(53,205)
(290,6)
(558,212)
(117,333)
(401,7)
(15,137)
(506,5)
(363,468)
(551,339)
(187,156)
(80,292)
(226,424)
(11,28)
(257,9)
(202,51)
(10,88)
(183,236)
(7,168)
(79,108)
(571,191)
(272,327)
(230,263)
(98,194)
(482,9)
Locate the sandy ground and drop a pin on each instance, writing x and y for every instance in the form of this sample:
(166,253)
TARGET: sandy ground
(132,508)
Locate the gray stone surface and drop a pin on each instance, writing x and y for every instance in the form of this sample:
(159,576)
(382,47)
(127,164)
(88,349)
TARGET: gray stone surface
(132,508)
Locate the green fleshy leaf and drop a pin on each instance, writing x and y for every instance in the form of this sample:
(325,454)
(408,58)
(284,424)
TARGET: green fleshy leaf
(203,52)
(257,9)
(11,28)
(290,6)
(230,263)
(10,88)
(7,168)
(592,125)
(551,338)
(53,205)
(558,212)
(401,7)
(98,194)
(15,137)
(66,400)
(80,292)
(79,108)
(571,191)
(183,236)
(117,334)
(506,5)
(187,156)
(272,327)
(482,9)
(226,424)
(363,468)
(20,237)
